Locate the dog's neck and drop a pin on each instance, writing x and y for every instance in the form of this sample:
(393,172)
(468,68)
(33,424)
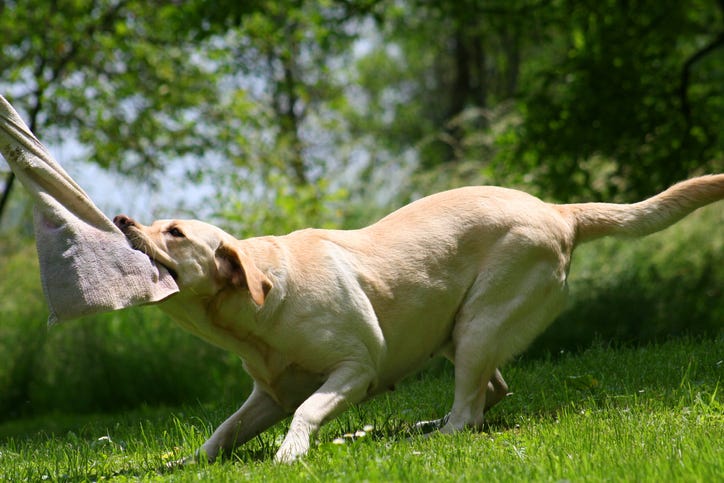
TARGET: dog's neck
(231,314)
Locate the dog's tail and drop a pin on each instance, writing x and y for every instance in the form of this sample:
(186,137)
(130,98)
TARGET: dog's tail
(596,220)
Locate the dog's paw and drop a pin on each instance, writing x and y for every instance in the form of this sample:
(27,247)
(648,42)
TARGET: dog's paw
(288,456)
(180,463)
(293,447)
(425,427)
(199,457)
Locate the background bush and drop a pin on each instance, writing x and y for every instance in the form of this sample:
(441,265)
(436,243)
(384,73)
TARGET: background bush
(101,363)
(628,291)
(644,290)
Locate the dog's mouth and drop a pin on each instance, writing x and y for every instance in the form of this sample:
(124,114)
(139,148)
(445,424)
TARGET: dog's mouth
(170,271)
(138,241)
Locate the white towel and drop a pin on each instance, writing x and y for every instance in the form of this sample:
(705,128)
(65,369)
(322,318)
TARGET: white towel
(86,263)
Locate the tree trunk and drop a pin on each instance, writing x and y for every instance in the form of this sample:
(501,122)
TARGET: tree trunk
(10,179)
(9,182)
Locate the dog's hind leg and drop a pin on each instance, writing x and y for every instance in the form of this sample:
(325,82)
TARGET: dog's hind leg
(502,314)
(471,390)
(497,390)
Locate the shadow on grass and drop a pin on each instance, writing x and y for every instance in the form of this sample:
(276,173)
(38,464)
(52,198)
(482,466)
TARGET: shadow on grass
(638,308)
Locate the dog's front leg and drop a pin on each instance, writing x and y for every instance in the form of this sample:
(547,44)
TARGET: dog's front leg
(258,413)
(346,386)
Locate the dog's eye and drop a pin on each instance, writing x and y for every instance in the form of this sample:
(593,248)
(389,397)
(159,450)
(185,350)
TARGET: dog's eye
(175,232)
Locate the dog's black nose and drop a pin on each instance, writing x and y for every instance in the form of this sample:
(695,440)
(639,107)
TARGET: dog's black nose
(123,222)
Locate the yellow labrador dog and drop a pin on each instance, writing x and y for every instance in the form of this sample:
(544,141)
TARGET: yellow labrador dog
(324,319)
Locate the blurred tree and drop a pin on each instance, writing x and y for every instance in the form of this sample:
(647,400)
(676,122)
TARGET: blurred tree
(281,55)
(110,73)
(585,99)
(249,82)
(636,94)
(612,99)
(285,89)
(440,77)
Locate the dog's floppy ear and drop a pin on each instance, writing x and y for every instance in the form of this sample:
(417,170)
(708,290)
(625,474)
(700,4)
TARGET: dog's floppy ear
(238,269)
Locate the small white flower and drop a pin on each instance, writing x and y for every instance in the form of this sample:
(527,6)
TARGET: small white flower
(338,441)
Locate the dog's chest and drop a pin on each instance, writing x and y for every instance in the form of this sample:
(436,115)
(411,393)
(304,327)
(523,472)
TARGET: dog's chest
(270,367)
(230,335)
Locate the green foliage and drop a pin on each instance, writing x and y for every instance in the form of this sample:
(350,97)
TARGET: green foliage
(279,209)
(111,75)
(639,84)
(21,333)
(102,363)
(629,291)
(589,100)
(638,291)
(278,88)
(648,414)
(586,100)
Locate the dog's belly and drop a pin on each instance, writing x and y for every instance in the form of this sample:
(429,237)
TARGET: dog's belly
(289,387)
(416,336)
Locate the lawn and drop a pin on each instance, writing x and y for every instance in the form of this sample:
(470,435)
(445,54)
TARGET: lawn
(650,413)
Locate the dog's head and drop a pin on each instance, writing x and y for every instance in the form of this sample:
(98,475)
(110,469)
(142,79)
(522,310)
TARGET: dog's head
(202,258)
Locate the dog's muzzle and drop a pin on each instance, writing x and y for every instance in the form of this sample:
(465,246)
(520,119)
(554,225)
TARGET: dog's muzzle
(123,222)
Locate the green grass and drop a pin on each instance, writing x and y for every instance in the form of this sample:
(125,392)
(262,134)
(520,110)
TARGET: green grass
(652,413)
